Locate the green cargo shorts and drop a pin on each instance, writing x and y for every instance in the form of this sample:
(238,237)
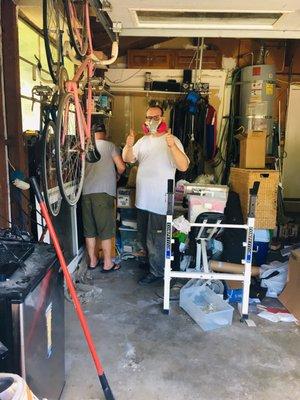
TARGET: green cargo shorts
(98,215)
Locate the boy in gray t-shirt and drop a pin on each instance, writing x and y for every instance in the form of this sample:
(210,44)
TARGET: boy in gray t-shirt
(98,199)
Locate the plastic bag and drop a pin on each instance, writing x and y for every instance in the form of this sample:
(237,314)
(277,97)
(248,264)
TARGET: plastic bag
(273,277)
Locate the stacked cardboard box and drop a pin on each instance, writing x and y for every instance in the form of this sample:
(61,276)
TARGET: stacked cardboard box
(252,149)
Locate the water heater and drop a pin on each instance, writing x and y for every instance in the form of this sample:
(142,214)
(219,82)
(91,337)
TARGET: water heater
(257,97)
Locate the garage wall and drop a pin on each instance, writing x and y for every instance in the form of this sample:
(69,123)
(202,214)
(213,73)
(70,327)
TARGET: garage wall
(285,54)
(131,100)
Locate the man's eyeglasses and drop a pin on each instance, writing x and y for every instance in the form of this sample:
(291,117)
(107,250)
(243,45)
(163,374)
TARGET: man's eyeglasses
(154,117)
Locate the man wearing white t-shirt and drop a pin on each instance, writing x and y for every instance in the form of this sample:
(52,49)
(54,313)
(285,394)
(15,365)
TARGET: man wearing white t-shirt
(159,154)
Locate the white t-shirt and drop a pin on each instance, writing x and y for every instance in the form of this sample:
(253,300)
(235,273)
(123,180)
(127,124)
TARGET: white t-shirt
(156,166)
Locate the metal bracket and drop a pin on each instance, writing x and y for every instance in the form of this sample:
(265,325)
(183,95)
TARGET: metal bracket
(117,26)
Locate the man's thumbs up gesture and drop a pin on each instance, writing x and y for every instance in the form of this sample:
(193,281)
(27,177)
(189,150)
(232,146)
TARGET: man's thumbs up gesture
(130,138)
(170,139)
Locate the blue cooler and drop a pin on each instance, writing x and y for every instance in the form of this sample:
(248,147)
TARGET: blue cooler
(261,246)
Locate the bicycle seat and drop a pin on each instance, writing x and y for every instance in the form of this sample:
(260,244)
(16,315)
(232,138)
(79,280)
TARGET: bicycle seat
(92,154)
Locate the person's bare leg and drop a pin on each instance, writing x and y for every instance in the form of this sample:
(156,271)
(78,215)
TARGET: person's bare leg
(91,250)
(106,248)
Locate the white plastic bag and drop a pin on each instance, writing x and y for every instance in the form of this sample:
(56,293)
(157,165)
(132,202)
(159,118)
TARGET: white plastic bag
(276,283)
(278,317)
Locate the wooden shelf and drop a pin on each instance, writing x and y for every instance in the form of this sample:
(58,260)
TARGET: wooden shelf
(133,90)
(101,113)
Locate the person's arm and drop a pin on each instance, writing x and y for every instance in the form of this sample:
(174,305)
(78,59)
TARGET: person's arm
(127,153)
(180,158)
(119,163)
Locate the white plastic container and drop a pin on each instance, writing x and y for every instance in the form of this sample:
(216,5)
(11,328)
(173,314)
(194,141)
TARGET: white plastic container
(129,240)
(205,198)
(206,308)
(17,390)
(127,223)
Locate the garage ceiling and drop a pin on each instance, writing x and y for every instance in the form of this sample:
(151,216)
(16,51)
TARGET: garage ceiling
(206,18)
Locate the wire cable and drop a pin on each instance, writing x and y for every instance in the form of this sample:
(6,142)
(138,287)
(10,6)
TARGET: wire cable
(124,80)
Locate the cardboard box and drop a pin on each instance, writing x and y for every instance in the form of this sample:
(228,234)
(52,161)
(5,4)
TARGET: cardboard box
(125,198)
(252,149)
(290,296)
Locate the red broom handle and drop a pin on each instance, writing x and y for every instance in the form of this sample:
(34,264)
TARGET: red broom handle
(87,333)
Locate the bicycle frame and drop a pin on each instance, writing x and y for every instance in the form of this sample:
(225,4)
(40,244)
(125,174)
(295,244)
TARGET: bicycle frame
(71,160)
(90,45)
(88,65)
(84,122)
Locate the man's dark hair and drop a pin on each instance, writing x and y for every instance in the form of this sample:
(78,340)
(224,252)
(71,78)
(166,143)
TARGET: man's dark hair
(156,106)
(98,127)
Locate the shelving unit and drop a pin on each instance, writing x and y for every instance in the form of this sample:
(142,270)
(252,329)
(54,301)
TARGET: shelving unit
(147,92)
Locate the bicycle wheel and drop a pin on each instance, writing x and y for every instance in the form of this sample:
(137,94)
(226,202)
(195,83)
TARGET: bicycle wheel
(77,13)
(69,150)
(49,174)
(52,37)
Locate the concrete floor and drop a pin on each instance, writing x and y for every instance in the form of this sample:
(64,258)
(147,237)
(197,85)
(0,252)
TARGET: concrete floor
(150,356)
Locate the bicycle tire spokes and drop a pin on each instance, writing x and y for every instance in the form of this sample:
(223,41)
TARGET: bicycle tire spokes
(77,16)
(53,36)
(49,173)
(70,154)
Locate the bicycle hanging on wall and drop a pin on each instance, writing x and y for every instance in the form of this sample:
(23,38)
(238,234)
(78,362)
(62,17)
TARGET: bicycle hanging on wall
(73,122)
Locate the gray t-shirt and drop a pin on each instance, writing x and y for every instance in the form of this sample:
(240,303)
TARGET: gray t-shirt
(100,177)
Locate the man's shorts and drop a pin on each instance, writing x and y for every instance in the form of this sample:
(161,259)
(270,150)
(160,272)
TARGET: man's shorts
(98,214)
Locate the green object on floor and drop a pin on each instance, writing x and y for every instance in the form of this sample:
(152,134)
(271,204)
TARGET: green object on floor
(180,236)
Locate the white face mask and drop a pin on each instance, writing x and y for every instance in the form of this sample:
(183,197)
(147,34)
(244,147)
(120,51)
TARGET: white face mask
(153,125)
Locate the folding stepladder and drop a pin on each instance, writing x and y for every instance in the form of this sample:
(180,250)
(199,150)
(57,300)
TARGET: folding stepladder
(204,272)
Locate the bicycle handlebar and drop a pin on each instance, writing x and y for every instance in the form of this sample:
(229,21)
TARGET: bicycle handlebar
(114,55)
(67,50)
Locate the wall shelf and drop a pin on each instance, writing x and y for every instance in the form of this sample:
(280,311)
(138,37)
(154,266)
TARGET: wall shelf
(147,92)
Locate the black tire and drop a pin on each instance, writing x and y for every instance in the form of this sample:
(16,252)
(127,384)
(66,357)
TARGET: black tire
(81,49)
(49,173)
(70,155)
(54,59)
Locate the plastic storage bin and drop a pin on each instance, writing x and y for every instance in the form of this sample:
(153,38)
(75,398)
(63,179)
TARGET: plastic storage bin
(128,213)
(206,308)
(206,198)
(129,242)
(128,223)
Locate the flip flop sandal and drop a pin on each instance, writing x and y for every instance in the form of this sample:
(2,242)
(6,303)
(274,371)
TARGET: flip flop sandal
(91,268)
(95,267)
(114,268)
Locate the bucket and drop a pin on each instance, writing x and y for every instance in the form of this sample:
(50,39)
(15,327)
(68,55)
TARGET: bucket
(13,387)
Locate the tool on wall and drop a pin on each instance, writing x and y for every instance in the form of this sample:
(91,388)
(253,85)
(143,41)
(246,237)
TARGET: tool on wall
(90,342)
